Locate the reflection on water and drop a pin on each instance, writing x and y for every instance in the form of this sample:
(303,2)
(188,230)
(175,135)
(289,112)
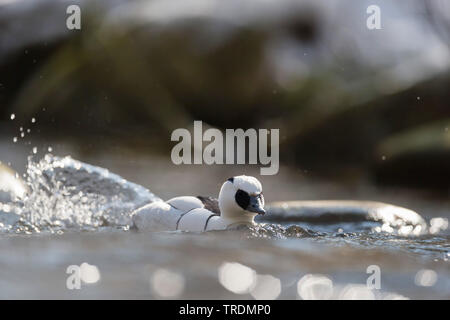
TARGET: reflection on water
(315,287)
(298,257)
(426,278)
(236,277)
(166,283)
(266,287)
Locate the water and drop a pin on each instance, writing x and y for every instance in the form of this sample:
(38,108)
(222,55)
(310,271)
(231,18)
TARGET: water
(70,213)
(66,194)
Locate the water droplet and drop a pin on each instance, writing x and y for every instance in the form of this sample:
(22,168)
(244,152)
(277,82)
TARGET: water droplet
(15,139)
(438,224)
(22,134)
(33,120)
(34,150)
(13,116)
(50,149)
(383,158)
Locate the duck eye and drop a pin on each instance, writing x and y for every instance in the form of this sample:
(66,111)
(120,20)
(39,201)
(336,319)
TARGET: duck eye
(242,199)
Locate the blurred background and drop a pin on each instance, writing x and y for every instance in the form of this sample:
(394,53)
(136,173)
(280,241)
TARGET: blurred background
(352,104)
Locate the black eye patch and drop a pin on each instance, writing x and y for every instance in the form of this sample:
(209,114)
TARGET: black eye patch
(242,199)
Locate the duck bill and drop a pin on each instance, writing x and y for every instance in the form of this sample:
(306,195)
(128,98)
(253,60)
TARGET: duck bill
(256,205)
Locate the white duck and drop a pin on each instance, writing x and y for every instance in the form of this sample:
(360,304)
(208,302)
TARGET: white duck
(240,200)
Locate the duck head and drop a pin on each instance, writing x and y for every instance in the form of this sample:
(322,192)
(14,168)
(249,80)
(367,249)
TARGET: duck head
(241,199)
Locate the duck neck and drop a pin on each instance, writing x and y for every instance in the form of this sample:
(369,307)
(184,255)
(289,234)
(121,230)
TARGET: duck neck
(230,212)
(240,218)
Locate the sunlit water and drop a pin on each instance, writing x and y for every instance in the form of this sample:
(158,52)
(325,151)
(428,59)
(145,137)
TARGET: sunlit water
(290,255)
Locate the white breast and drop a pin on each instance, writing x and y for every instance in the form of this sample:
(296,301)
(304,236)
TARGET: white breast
(180,213)
(195,220)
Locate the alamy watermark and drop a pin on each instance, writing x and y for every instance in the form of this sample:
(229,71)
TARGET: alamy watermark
(374,20)
(231,150)
(73,21)
(374,280)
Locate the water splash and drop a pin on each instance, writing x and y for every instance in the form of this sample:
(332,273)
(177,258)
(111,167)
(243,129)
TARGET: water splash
(66,194)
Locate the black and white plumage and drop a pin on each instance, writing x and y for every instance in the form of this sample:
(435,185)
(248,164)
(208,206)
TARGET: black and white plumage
(240,200)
